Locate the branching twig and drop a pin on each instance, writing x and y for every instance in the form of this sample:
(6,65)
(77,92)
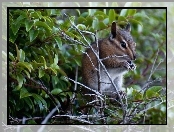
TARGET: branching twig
(96,92)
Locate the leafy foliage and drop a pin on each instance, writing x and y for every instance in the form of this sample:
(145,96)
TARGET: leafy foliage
(45,50)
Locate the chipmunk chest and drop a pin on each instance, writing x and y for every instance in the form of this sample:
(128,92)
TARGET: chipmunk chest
(113,73)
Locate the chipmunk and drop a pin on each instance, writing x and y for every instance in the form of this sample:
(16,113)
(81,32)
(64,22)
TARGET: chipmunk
(116,52)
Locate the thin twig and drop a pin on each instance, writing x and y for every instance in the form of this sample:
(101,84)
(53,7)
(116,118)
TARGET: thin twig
(96,92)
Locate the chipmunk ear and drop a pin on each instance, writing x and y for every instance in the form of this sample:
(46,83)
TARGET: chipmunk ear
(113,29)
(128,27)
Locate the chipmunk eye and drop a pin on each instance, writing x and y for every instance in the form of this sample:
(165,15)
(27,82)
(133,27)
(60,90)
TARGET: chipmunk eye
(123,44)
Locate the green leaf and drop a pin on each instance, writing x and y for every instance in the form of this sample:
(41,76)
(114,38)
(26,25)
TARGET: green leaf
(25,65)
(140,16)
(28,75)
(131,12)
(78,62)
(95,24)
(36,15)
(43,24)
(153,91)
(24,93)
(43,61)
(136,95)
(58,41)
(20,80)
(39,99)
(70,34)
(28,24)
(121,18)
(12,36)
(111,15)
(56,91)
(72,18)
(61,71)
(85,14)
(48,20)
(17,24)
(41,73)
(11,56)
(136,22)
(102,25)
(81,26)
(123,12)
(33,34)
(56,59)
(99,17)
(29,102)
(89,21)
(21,55)
(81,19)
(20,18)
(36,65)
(100,13)
(15,27)
(52,71)
(106,21)
(155,88)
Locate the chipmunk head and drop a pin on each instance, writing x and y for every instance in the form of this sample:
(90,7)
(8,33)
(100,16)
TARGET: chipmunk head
(123,40)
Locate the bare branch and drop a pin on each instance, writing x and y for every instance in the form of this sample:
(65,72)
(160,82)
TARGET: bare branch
(96,92)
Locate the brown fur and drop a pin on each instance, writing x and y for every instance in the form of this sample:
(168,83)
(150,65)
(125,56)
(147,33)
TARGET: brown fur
(116,66)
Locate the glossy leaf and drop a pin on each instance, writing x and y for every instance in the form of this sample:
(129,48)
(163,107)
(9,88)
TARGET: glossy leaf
(12,36)
(124,12)
(136,95)
(41,102)
(58,41)
(21,55)
(15,27)
(81,19)
(111,15)
(56,91)
(136,22)
(11,56)
(29,102)
(33,34)
(44,62)
(81,27)
(28,24)
(56,59)
(20,80)
(121,18)
(27,73)
(95,24)
(36,14)
(131,12)
(24,93)
(102,25)
(41,73)
(25,65)
(44,25)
